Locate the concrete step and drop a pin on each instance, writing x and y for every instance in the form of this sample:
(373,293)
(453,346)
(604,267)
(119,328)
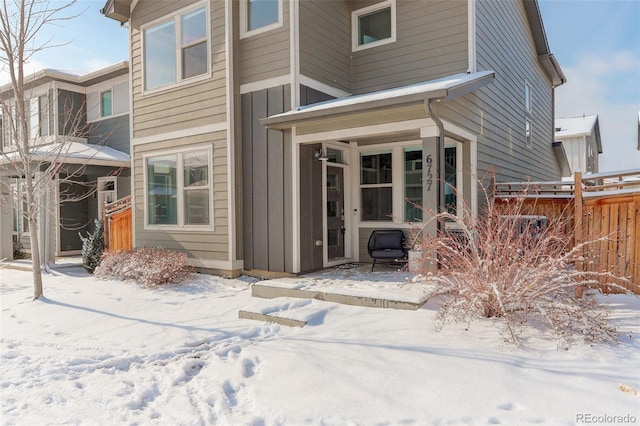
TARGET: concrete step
(290,312)
(410,299)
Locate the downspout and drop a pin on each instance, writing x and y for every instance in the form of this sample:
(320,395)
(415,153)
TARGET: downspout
(441,164)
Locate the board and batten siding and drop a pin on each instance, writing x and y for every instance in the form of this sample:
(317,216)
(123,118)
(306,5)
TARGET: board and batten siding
(431,42)
(197,243)
(266,55)
(187,105)
(497,111)
(325,42)
(266,194)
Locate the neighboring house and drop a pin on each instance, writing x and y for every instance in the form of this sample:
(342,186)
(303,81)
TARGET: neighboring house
(81,122)
(276,135)
(580,140)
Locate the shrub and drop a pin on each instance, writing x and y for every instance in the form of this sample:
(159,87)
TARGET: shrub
(93,246)
(148,266)
(514,272)
(18,251)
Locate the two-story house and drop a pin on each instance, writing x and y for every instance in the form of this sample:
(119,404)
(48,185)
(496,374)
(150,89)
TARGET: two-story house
(80,123)
(273,135)
(580,139)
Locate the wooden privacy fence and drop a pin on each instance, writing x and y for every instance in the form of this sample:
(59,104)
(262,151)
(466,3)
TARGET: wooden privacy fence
(604,207)
(117,225)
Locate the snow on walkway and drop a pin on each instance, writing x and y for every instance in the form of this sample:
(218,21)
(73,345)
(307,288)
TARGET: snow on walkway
(107,352)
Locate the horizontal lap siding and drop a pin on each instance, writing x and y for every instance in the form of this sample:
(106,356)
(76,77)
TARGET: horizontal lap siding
(196,243)
(505,45)
(325,42)
(431,43)
(112,132)
(187,105)
(266,55)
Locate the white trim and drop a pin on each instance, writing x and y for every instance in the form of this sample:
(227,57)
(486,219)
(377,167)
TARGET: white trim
(175,17)
(528,88)
(100,192)
(471,32)
(295,201)
(294,47)
(355,47)
(108,117)
(193,131)
(373,130)
(354,190)
(458,131)
(231,169)
(244,23)
(322,87)
(132,177)
(225,265)
(268,83)
(346,188)
(180,226)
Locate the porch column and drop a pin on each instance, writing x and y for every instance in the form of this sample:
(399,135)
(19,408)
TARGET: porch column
(6,219)
(47,221)
(432,181)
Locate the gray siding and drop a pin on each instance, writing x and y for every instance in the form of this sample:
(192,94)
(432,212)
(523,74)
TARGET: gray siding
(505,45)
(196,243)
(266,55)
(187,105)
(311,209)
(325,42)
(266,166)
(431,43)
(75,216)
(310,96)
(113,132)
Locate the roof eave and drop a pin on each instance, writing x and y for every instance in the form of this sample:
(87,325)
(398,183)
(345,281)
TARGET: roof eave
(281,122)
(118,10)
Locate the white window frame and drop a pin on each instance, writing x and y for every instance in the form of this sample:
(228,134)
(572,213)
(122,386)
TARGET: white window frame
(244,20)
(528,93)
(102,92)
(355,27)
(528,132)
(177,21)
(180,226)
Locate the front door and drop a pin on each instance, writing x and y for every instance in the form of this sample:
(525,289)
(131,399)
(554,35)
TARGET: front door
(335,212)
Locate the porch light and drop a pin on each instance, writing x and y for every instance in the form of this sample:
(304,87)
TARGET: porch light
(321,155)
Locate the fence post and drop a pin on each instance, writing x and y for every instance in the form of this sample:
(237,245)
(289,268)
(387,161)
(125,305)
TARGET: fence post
(578,228)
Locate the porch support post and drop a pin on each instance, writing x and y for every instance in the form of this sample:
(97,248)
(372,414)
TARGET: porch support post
(46,222)
(431,183)
(6,219)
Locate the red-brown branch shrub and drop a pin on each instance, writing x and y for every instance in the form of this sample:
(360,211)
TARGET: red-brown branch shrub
(148,266)
(505,268)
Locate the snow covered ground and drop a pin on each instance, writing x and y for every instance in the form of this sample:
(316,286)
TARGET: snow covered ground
(112,353)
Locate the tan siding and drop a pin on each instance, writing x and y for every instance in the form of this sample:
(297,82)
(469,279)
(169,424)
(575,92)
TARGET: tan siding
(186,105)
(266,55)
(196,243)
(325,42)
(431,43)
(505,45)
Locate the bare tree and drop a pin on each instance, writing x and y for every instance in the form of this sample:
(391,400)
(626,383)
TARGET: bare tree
(21,25)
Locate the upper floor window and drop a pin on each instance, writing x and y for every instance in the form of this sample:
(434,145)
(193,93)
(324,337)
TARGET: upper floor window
(106,106)
(527,96)
(374,25)
(258,16)
(176,50)
(38,110)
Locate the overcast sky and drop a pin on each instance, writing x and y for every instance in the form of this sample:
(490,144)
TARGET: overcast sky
(596,42)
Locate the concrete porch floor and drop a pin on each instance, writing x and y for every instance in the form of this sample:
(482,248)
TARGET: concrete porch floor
(388,286)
